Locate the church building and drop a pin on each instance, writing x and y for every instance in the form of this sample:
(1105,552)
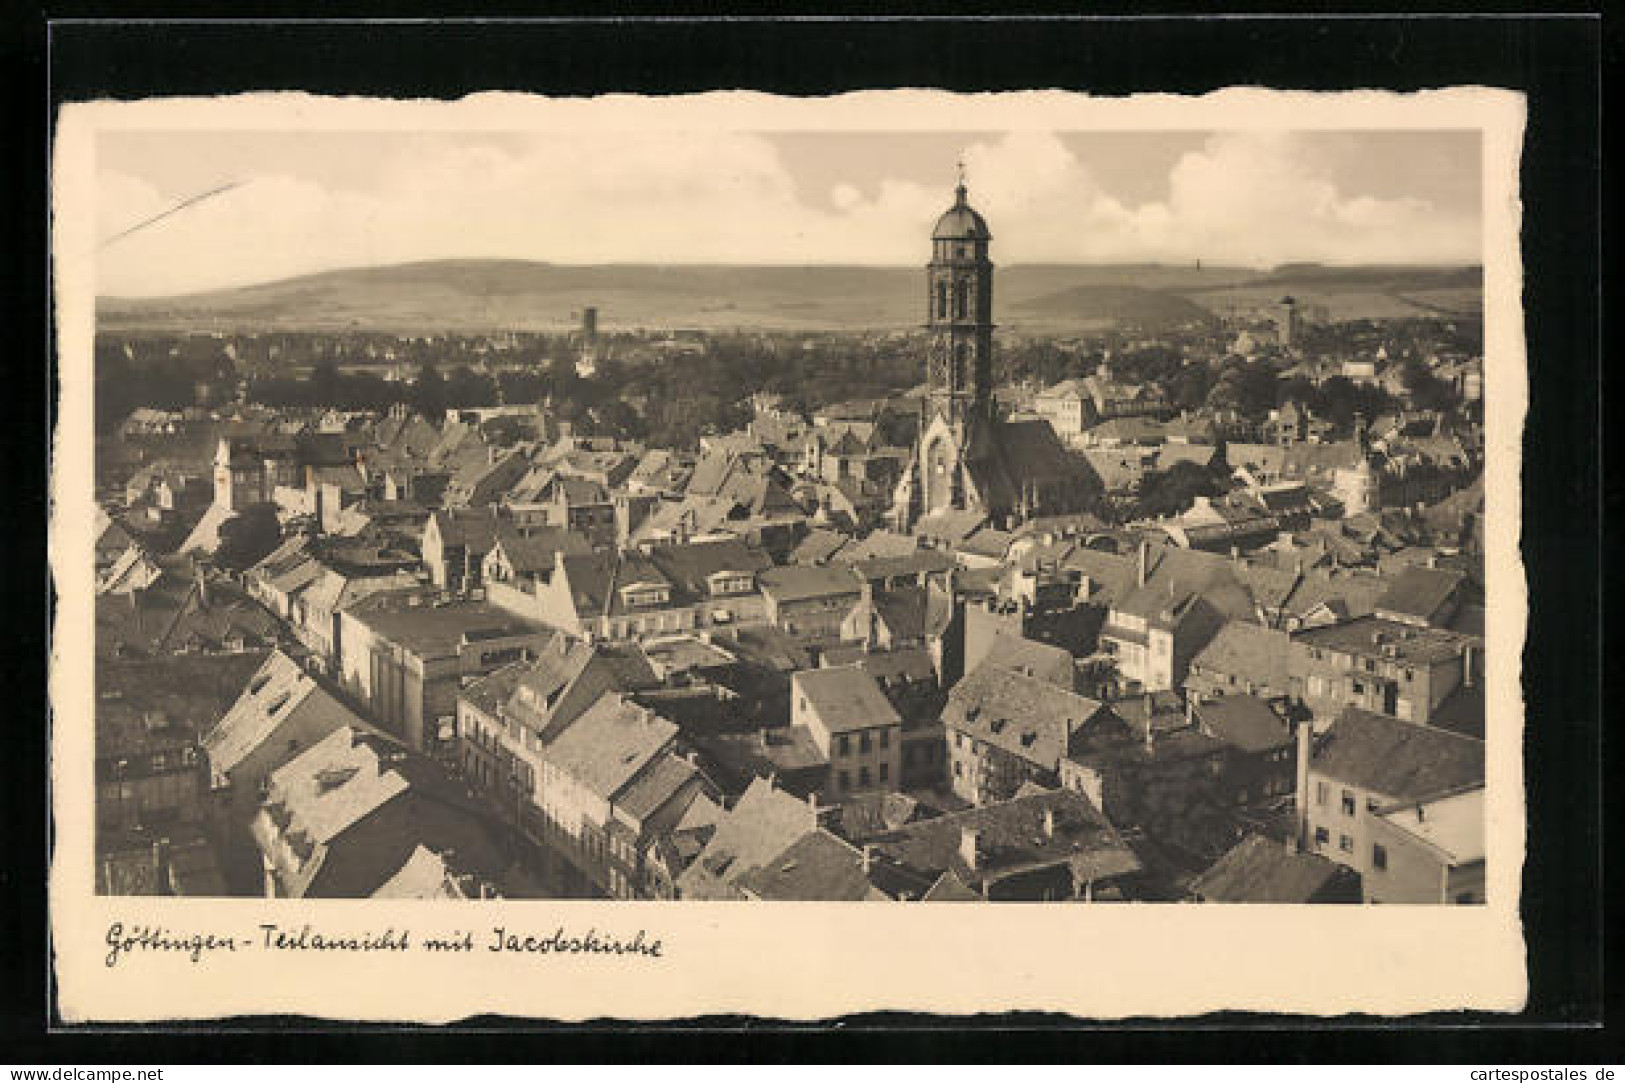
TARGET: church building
(967,457)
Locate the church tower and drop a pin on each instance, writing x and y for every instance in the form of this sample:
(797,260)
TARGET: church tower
(959,316)
(968,458)
(957,416)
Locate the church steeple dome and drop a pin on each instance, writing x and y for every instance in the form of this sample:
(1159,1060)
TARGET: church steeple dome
(961,222)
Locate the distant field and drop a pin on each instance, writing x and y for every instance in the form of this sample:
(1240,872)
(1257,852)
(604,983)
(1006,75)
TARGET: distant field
(473,295)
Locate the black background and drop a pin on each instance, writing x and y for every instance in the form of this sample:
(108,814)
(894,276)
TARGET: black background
(1557,61)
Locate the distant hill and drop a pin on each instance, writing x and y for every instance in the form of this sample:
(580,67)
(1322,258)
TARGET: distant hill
(1385,279)
(1354,292)
(1113,304)
(481,295)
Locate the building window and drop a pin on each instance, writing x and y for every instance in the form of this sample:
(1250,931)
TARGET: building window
(845,744)
(1320,793)
(885,739)
(1345,844)
(959,769)
(885,772)
(1321,837)
(1379,857)
(846,780)
(863,741)
(863,776)
(1348,803)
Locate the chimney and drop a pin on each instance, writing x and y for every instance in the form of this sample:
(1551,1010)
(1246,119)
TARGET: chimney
(812,805)
(160,865)
(868,858)
(202,584)
(969,842)
(761,738)
(1467,665)
(1145,551)
(1305,734)
(1049,825)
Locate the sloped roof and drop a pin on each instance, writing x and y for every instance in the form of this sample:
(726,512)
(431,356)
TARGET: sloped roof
(950,525)
(1025,716)
(689,565)
(950,888)
(277,690)
(818,867)
(1420,591)
(1031,658)
(1244,722)
(913,563)
(424,876)
(763,824)
(880,543)
(798,582)
(536,548)
(1348,594)
(846,698)
(475,528)
(1248,650)
(609,744)
(334,783)
(818,546)
(654,786)
(1261,870)
(1400,759)
(1011,839)
(903,610)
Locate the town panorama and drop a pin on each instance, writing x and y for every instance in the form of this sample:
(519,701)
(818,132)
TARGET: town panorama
(1183,604)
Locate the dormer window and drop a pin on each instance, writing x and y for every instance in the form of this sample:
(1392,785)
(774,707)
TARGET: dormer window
(636,595)
(726,582)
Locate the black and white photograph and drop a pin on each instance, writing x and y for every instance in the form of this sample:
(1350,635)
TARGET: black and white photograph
(996,501)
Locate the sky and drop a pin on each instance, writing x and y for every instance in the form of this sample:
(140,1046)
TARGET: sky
(304,201)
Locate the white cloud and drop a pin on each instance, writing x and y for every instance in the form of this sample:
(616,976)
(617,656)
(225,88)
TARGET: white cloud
(720,197)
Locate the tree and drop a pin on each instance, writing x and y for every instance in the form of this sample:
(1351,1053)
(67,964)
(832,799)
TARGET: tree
(1340,399)
(429,392)
(1171,491)
(1188,388)
(247,537)
(1424,389)
(1247,388)
(326,384)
